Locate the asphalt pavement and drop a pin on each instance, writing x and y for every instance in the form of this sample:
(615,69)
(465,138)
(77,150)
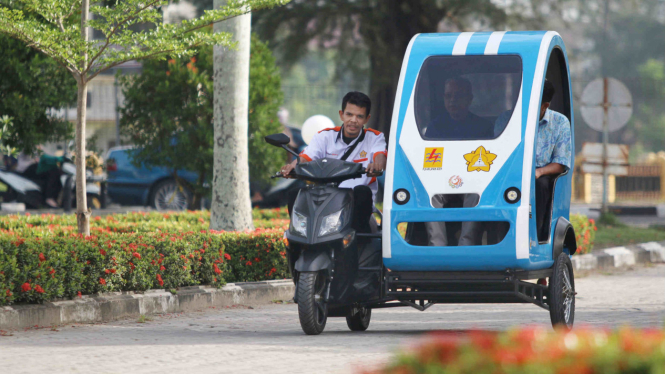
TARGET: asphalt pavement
(269,339)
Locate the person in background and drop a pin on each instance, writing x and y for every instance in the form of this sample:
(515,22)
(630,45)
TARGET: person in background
(48,176)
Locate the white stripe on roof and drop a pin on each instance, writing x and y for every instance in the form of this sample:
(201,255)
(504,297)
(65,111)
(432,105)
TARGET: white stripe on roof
(461,43)
(493,43)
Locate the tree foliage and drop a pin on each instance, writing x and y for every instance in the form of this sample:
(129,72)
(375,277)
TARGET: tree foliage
(168,114)
(57,31)
(650,119)
(60,29)
(30,85)
(265,98)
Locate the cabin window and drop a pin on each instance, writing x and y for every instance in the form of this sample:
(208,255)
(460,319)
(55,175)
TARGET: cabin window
(466,97)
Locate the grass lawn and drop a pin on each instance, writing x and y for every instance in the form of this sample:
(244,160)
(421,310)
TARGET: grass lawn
(614,236)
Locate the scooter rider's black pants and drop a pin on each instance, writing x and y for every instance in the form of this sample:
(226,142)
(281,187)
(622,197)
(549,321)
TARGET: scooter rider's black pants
(362,207)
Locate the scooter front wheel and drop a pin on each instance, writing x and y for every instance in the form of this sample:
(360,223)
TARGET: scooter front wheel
(312,308)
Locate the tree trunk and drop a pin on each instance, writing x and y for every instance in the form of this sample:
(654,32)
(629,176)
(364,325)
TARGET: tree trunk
(231,208)
(82,212)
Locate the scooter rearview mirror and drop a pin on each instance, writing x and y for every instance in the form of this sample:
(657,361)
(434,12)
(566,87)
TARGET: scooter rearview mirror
(281,140)
(277,139)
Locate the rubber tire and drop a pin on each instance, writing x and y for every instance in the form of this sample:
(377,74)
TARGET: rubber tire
(360,320)
(159,185)
(308,311)
(556,293)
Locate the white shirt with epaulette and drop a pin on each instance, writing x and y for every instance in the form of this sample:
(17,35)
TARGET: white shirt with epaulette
(329,143)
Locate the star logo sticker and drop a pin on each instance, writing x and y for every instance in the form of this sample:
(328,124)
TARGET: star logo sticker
(363,154)
(479,160)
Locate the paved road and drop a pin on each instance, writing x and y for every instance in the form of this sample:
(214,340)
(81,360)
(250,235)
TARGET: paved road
(269,340)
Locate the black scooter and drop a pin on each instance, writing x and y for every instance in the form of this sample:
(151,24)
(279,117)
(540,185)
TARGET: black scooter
(337,271)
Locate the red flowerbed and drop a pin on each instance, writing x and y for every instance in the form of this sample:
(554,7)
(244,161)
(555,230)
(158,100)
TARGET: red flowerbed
(536,350)
(42,258)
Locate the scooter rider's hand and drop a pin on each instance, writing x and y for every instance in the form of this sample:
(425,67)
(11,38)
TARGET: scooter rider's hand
(378,166)
(287,169)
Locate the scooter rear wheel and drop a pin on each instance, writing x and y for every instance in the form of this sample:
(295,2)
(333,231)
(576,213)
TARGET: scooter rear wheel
(358,319)
(312,308)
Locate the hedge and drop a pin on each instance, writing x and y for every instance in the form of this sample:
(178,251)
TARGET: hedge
(536,351)
(43,258)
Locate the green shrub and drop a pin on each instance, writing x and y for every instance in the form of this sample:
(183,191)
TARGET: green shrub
(536,350)
(168,112)
(585,232)
(43,258)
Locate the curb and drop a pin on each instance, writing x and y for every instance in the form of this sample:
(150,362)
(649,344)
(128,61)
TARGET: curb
(617,257)
(125,305)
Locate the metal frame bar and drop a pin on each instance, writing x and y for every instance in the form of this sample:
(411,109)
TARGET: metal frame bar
(507,287)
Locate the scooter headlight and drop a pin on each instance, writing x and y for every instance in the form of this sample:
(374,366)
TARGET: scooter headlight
(332,223)
(299,223)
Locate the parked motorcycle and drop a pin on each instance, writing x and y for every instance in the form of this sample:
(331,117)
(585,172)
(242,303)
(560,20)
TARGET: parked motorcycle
(23,190)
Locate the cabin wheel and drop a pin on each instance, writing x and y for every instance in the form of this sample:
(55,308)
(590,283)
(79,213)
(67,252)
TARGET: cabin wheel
(358,318)
(562,293)
(312,308)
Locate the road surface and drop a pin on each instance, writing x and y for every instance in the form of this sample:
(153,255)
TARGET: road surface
(268,339)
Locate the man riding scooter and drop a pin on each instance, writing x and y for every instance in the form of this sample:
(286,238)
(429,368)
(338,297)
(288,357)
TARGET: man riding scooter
(353,143)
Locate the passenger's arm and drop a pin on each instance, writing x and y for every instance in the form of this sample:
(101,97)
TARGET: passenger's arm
(552,168)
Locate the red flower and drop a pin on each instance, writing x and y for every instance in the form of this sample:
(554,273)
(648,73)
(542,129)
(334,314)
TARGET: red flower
(107,271)
(9,293)
(52,271)
(112,271)
(159,280)
(248,263)
(159,261)
(227,256)
(137,255)
(39,289)
(102,251)
(102,281)
(42,258)
(162,268)
(131,265)
(184,267)
(79,294)
(172,239)
(26,287)
(256,259)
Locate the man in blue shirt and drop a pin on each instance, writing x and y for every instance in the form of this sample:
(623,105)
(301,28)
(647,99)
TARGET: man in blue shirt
(553,151)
